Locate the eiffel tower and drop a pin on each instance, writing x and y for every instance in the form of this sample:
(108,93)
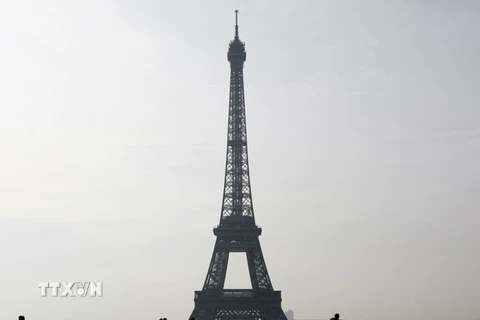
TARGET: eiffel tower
(237,231)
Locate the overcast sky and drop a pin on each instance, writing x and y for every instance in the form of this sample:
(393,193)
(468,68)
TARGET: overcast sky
(364,141)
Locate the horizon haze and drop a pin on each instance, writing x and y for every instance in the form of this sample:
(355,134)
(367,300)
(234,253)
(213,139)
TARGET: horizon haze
(364,152)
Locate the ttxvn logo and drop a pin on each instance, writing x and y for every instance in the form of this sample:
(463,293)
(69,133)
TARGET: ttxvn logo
(72,289)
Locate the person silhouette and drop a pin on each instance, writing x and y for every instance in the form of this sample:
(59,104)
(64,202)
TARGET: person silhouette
(336,317)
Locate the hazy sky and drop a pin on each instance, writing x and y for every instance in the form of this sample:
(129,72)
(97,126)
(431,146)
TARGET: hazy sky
(364,141)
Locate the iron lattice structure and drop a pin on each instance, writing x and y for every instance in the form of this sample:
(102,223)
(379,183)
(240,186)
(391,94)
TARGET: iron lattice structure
(237,231)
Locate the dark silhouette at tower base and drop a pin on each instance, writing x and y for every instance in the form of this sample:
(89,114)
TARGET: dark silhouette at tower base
(336,317)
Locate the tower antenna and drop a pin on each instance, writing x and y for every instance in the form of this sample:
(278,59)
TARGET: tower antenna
(236,24)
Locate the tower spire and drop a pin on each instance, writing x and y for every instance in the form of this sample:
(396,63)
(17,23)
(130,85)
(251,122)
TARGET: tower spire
(236,24)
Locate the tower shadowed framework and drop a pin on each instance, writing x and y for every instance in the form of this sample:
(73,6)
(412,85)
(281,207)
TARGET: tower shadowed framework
(237,231)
